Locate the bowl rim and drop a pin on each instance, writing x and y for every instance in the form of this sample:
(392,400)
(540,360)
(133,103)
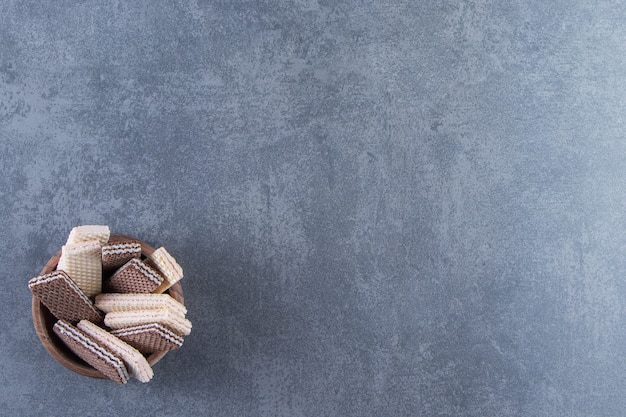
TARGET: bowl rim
(43,320)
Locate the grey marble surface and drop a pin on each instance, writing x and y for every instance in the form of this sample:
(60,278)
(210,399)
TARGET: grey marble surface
(383,208)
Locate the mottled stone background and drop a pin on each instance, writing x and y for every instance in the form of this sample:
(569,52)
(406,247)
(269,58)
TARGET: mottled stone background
(383,208)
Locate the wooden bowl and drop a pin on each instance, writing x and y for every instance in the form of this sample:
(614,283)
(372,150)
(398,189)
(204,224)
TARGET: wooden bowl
(44,320)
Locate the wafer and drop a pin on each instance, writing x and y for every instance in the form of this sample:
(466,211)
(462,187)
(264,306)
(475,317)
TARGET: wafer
(127,302)
(92,352)
(136,364)
(89,232)
(148,338)
(163,316)
(65,300)
(167,266)
(83,263)
(134,277)
(114,255)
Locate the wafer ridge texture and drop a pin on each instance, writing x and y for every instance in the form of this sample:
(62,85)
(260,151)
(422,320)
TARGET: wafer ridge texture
(87,233)
(148,338)
(83,263)
(119,319)
(114,255)
(109,302)
(167,266)
(91,352)
(135,362)
(133,277)
(63,298)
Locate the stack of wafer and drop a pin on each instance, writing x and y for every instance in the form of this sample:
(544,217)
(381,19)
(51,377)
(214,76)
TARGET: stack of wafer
(149,322)
(112,304)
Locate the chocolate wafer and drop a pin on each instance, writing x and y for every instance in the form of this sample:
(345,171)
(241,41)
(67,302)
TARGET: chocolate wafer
(137,365)
(92,352)
(134,277)
(114,255)
(148,338)
(87,233)
(167,266)
(65,300)
(83,263)
(128,302)
(164,316)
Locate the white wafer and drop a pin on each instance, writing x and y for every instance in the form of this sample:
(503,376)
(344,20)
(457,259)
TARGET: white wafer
(83,263)
(89,232)
(120,319)
(126,302)
(135,362)
(167,266)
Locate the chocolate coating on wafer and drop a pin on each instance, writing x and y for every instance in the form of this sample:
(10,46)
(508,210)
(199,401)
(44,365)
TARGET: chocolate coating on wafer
(148,338)
(60,294)
(114,255)
(96,355)
(134,277)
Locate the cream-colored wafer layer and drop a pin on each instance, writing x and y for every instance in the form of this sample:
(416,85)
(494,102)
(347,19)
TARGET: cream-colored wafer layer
(167,266)
(83,263)
(89,232)
(135,362)
(127,302)
(165,317)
